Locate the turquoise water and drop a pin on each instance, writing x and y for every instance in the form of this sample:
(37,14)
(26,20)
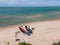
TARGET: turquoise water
(18,15)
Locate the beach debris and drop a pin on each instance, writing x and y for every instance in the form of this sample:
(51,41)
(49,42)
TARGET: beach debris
(28,33)
(21,29)
(6,42)
(16,33)
(17,39)
(26,30)
(33,28)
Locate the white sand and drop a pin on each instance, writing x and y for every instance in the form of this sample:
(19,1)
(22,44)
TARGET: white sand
(45,33)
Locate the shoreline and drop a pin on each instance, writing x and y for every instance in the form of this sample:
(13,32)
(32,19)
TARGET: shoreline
(30,22)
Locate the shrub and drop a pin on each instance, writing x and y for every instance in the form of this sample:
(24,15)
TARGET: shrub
(23,43)
(58,43)
(54,43)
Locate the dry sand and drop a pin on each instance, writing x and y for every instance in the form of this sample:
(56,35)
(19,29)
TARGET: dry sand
(45,33)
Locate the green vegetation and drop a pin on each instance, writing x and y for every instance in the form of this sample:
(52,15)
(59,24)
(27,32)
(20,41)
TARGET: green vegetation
(23,43)
(58,43)
(54,43)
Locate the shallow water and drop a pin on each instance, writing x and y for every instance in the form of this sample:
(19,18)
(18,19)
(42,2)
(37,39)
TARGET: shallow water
(18,15)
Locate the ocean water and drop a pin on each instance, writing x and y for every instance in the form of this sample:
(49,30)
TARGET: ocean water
(18,15)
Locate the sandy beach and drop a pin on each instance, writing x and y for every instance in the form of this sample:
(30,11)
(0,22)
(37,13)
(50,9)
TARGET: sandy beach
(45,33)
